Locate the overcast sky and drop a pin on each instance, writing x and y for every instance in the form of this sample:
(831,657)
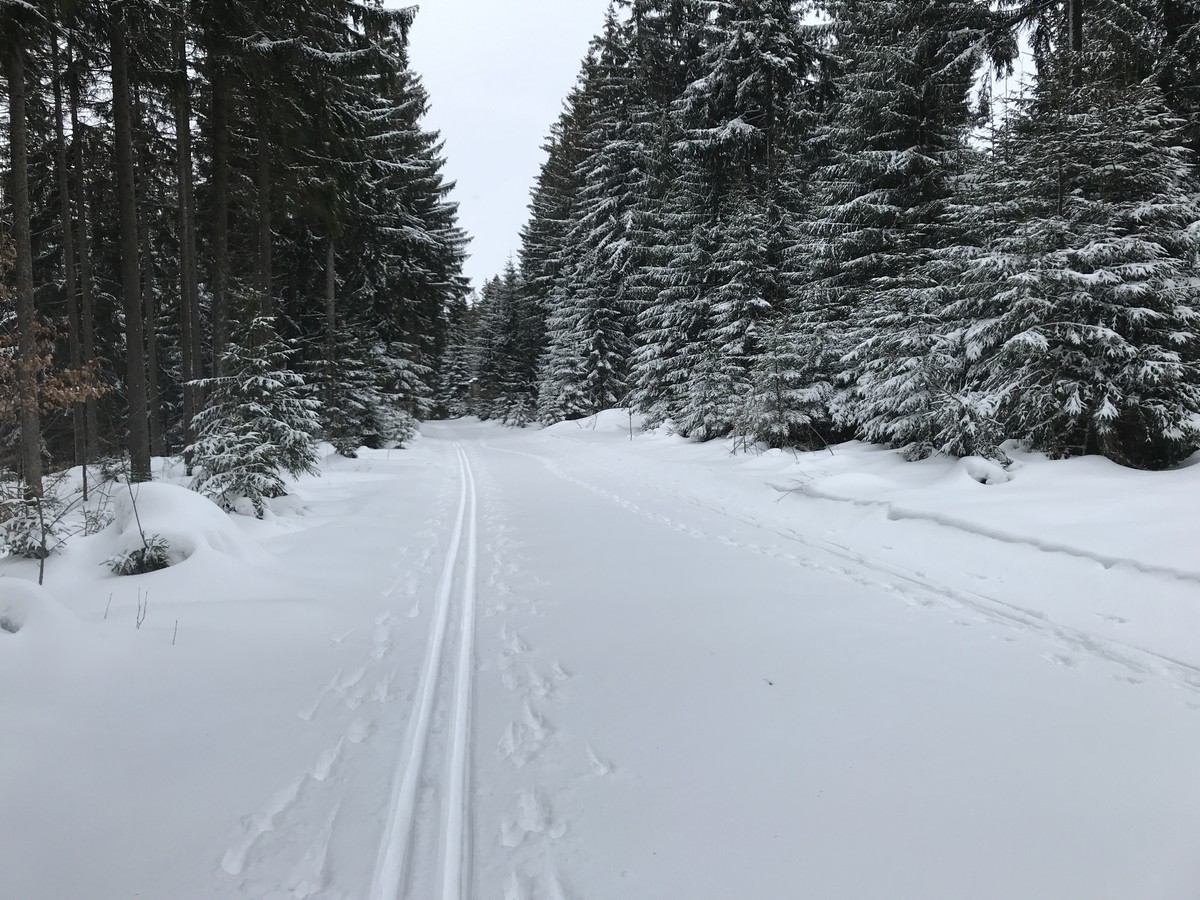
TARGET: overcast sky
(497,72)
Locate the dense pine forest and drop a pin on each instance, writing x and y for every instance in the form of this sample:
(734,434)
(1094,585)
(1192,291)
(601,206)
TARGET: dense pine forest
(933,224)
(226,234)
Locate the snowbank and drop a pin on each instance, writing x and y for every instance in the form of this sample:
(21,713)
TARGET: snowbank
(190,523)
(1089,508)
(30,613)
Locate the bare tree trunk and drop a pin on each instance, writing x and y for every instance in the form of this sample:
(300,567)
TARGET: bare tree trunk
(131,282)
(68,243)
(27,388)
(87,318)
(154,407)
(1075,27)
(189,287)
(219,124)
(266,305)
(330,321)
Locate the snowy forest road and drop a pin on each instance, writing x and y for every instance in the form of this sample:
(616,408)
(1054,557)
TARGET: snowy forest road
(583,663)
(675,703)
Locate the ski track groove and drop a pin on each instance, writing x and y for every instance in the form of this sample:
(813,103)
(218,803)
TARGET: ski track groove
(392,871)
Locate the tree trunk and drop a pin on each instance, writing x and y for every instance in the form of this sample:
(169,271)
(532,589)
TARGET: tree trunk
(87,318)
(266,306)
(154,407)
(219,125)
(330,320)
(27,388)
(68,243)
(1075,27)
(189,283)
(131,282)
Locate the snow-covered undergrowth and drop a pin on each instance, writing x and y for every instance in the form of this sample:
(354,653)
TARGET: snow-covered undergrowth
(188,522)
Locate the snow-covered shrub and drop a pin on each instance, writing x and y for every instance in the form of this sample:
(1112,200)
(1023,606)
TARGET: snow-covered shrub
(186,522)
(154,554)
(258,425)
(29,528)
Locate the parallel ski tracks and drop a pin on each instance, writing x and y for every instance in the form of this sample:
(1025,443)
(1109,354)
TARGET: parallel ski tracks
(395,863)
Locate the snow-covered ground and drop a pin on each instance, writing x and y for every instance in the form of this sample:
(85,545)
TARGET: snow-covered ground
(558,664)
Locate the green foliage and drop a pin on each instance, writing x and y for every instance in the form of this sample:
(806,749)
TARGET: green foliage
(153,555)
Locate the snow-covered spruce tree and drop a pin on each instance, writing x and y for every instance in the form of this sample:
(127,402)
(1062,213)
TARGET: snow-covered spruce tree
(257,425)
(1082,307)
(741,123)
(370,400)
(584,365)
(672,321)
(739,284)
(896,141)
(507,351)
(784,406)
(583,368)
(453,396)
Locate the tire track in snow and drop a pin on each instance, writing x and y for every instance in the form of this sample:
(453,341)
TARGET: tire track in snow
(394,861)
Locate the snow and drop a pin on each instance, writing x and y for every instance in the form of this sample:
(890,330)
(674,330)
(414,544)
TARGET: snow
(189,522)
(580,662)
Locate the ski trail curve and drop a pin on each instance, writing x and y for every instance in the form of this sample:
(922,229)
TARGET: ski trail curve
(393,862)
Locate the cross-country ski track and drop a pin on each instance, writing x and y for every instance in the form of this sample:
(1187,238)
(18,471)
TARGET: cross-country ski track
(395,852)
(575,664)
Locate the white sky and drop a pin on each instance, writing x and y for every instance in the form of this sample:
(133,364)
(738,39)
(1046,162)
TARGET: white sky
(497,72)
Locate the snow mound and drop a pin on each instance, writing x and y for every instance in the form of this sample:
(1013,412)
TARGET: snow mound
(983,471)
(189,522)
(30,611)
(607,421)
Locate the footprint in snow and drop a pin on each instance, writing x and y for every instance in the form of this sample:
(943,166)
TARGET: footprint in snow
(559,672)
(358,731)
(524,739)
(601,768)
(352,679)
(533,816)
(382,691)
(382,639)
(311,874)
(254,826)
(324,765)
(1061,659)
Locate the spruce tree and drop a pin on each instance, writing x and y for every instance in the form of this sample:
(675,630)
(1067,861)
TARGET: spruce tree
(258,425)
(895,144)
(1083,303)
